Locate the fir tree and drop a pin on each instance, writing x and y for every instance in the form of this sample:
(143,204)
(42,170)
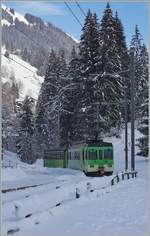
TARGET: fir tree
(15,89)
(25,130)
(64,109)
(6,54)
(109,80)
(48,105)
(143,109)
(74,96)
(141,89)
(89,45)
(89,63)
(136,47)
(143,128)
(124,57)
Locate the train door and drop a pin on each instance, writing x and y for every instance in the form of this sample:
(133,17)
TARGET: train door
(85,159)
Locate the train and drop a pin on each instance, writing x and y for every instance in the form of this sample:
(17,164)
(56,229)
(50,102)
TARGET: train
(91,157)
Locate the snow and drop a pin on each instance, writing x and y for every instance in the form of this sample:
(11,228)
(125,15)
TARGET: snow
(12,174)
(20,17)
(26,76)
(15,15)
(71,36)
(121,209)
(5,22)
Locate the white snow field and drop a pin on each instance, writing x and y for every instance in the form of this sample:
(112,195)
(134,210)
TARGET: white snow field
(52,209)
(25,76)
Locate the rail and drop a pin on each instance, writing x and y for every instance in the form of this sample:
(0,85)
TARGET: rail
(89,188)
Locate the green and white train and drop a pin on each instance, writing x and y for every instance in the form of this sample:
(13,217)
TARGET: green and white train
(92,157)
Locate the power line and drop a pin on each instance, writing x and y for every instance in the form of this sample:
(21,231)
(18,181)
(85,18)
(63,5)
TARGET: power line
(25,68)
(81,9)
(73,14)
(18,63)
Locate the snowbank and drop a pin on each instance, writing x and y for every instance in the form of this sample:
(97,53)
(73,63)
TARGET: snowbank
(11,174)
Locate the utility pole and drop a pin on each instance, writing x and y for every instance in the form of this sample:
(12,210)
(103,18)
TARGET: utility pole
(97,127)
(132,110)
(126,128)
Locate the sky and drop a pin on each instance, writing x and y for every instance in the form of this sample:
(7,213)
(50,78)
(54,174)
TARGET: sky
(57,13)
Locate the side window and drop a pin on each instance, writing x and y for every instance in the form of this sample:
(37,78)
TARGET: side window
(77,155)
(100,154)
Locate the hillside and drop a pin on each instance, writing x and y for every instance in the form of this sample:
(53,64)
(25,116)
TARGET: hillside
(26,77)
(18,32)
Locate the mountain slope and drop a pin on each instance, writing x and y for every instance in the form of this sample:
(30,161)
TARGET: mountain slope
(26,77)
(32,38)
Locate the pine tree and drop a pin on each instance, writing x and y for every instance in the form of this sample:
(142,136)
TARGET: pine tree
(124,57)
(9,131)
(109,79)
(141,89)
(6,54)
(25,54)
(136,46)
(7,128)
(25,130)
(48,106)
(73,96)
(89,58)
(89,45)
(64,110)
(143,109)
(15,89)
(143,128)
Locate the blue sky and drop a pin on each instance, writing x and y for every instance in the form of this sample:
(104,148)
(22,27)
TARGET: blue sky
(130,13)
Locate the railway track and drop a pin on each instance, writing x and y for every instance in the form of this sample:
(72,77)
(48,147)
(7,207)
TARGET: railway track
(61,200)
(50,206)
(25,187)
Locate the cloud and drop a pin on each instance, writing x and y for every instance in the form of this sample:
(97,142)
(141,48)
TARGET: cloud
(39,8)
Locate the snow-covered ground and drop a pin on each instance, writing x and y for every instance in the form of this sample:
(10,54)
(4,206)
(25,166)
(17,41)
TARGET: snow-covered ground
(25,75)
(121,209)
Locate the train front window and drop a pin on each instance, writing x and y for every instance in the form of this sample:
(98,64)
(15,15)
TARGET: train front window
(108,154)
(100,154)
(92,155)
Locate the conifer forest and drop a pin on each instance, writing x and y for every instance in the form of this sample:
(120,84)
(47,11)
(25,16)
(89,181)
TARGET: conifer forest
(94,81)
(75,118)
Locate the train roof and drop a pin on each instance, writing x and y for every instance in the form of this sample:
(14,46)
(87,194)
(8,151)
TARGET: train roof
(55,149)
(90,143)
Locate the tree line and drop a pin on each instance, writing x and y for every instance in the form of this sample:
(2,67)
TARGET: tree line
(91,87)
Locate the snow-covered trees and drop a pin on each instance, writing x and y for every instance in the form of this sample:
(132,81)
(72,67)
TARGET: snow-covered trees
(124,57)
(9,95)
(74,97)
(143,128)
(44,128)
(143,109)
(49,102)
(83,99)
(110,67)
(89,58)
(136,46)
(89,45)
(141,89)
(25,130)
